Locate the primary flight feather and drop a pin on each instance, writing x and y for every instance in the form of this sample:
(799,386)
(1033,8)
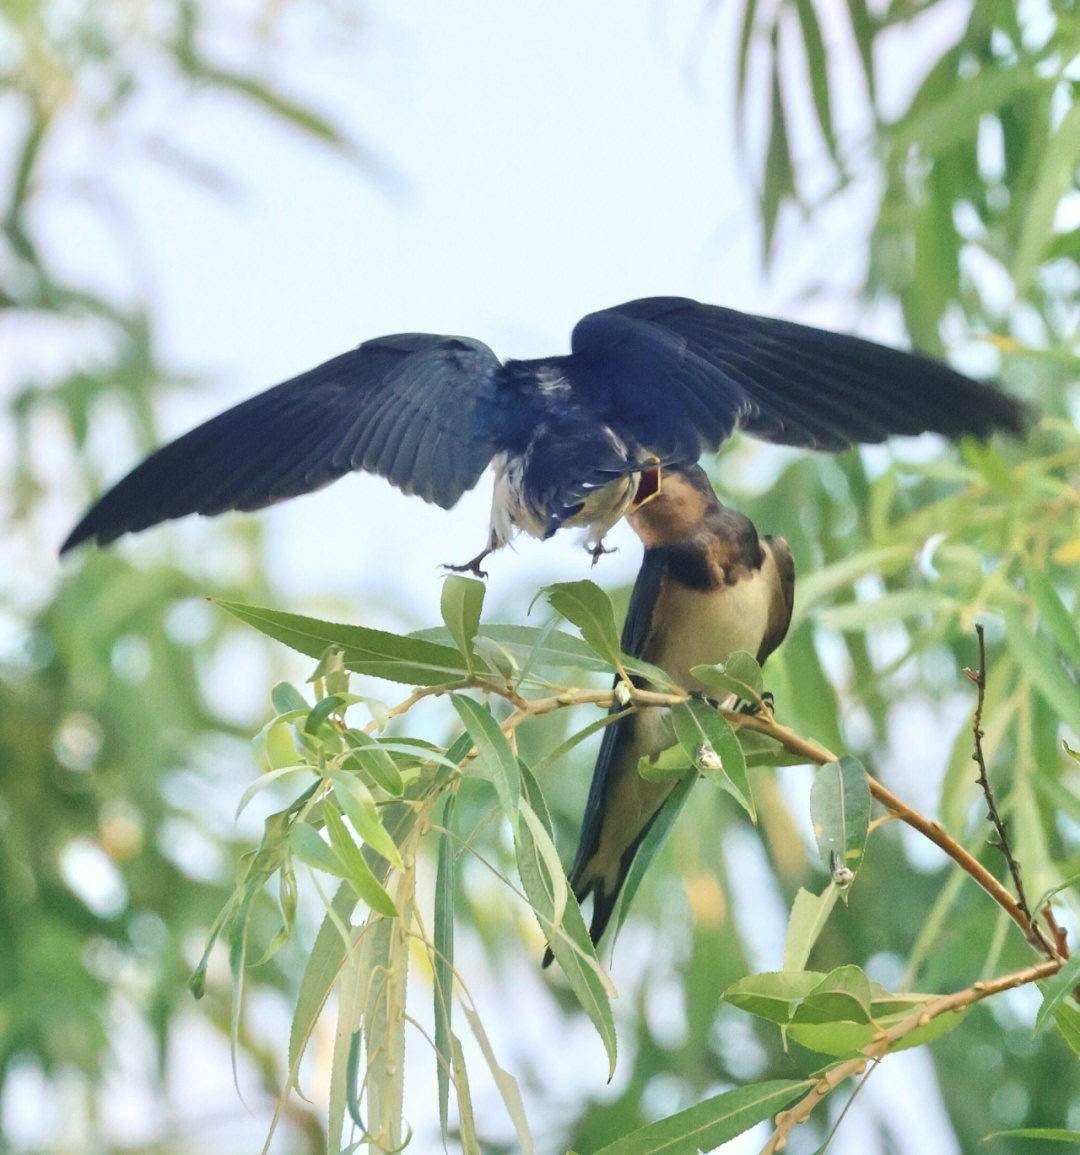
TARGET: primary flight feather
(655,382)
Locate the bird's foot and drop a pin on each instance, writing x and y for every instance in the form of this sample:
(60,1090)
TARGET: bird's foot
(472,567)
(766,705)
(598,550)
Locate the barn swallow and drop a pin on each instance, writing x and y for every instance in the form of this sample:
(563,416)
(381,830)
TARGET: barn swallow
(658,381)
(708,587)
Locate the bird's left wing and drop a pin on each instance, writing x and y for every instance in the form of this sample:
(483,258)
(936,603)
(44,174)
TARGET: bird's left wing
(416,408)
(678,377)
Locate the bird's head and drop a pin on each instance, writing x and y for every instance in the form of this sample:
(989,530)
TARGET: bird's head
(670,504)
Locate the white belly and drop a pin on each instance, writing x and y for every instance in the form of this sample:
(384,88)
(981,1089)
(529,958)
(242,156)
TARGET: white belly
(510,511)
(707,628)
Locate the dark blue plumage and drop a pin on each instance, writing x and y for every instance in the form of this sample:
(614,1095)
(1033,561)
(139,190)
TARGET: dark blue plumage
(658,380)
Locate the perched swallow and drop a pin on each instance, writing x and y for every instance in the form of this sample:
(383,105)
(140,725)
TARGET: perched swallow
(652,382)
(708,587)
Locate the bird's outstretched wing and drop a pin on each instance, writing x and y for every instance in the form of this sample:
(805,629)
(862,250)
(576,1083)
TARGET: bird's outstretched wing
(678,377)
(415,408)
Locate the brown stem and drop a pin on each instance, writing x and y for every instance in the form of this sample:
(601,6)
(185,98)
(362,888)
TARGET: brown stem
(882,1042)
(967,862)
(1035,935)
(763,723)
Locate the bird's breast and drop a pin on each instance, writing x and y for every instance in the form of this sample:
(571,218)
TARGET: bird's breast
(705,627)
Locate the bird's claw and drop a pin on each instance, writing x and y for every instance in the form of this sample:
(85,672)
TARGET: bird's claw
(766,705)
(598,550)
(472,567)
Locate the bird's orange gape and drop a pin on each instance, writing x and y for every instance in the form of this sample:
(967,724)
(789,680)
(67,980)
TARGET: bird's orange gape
(649,485)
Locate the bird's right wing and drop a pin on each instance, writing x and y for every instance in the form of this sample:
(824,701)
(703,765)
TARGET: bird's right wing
(678,377)
(415,408)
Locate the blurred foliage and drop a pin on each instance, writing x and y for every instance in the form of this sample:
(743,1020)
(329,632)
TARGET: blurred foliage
(115,853)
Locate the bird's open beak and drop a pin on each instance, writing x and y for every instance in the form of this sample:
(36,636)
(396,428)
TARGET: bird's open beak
(649,482)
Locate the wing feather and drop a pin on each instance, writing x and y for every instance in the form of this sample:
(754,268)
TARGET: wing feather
(360,410)
(678,376)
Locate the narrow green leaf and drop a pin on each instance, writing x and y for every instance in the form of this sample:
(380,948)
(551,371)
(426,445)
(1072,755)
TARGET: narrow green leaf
(375,652)
(551,650)
(320,973)
(329,950)
(1054,1134)
(470,1142)
(549,856)
(369,757)
(312,850)
(269,779)
(462,599)
(343,1092)
(555,756)
(1041,667)
(840,811)
(534,796)
(1057,619)
(364,882)
(495,760)
(955,116)
(706,1125)
(359,807)
(809,914)
(443,962)
(525,668)
(320,713)
(651,845)
(1057,175)
(739,675)
(707,737)
(1067,1018)
(568,938)
(585,605)
(778,181)
(286,698)
(1057,988)
(818,67)
(506,1083)
(386,959)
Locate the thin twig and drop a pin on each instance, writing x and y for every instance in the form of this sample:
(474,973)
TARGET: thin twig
(762,723)
(882,1042)
(936,833)
(1036,936)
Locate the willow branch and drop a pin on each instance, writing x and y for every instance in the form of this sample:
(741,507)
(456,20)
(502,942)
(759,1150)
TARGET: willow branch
(934,831)
(884,1040)
(996,821)
(763,723)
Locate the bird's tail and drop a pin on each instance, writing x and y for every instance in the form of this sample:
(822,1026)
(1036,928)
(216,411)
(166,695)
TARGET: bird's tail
(619,813)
